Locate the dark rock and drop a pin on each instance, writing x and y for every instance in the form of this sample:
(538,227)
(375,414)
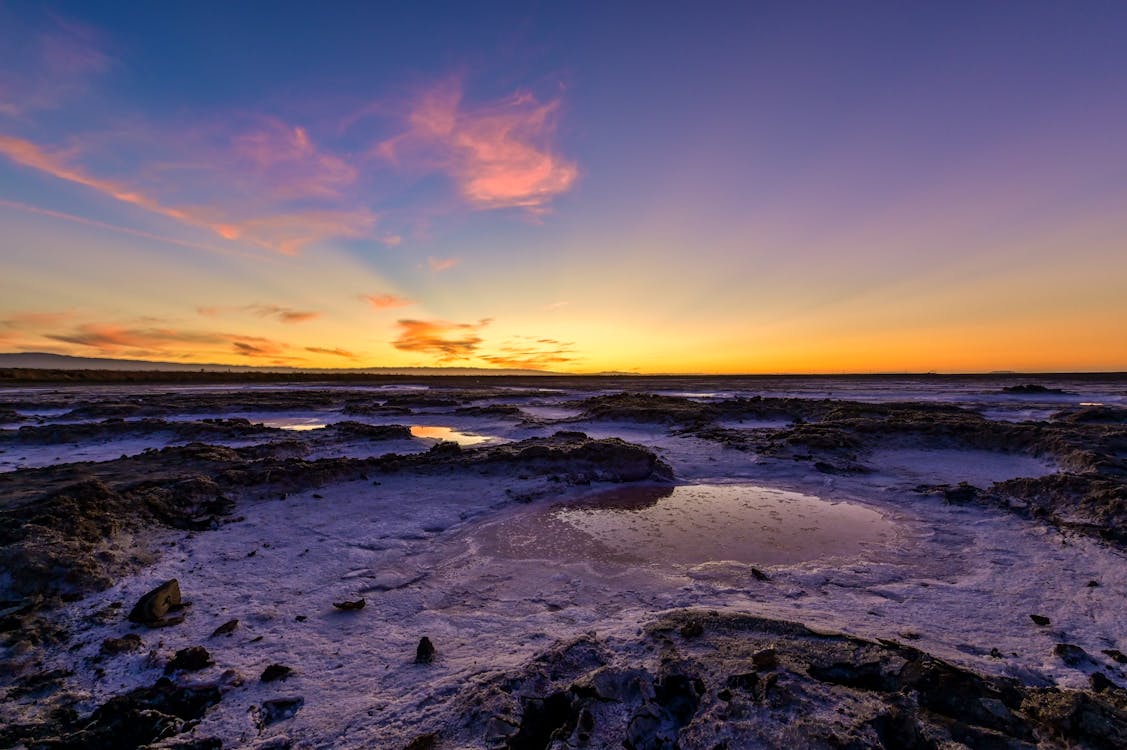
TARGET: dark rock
(276,672)
(1100,682)
(371,431)
(350,606)
(542,721)
(961,495)
(280,709)
(1072,655)
(1040,620)
(746,681)
(425,651)
(225,629)
(865,676)
(427,741)
(765,660)
(126,643)
(143,716)
(692,629)
(191,659)
(759,575)
(157,608)
(1032,389)
(1116,655)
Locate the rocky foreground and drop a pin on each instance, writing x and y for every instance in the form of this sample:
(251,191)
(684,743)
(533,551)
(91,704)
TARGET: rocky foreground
(688,677)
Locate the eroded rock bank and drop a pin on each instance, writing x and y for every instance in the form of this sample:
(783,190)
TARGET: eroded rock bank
(694,679)
(1087,446)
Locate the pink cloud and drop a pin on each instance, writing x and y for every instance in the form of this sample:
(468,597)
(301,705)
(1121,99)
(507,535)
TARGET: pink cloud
(286,232)
(288,163)
(499,155)
(442,264)
(385,301)
(447,341)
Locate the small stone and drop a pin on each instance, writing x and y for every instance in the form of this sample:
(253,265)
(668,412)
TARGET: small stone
(226,628)
(1093,584)
(280,709)
(153,608)
(191,659)
(1040,619)
(124,644)
(765,660)
(425,652)
(303,618)
(759,575)
(276,672)
(350,606)
(1071,654)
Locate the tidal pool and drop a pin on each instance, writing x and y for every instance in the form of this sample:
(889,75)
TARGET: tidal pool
(447,434)
(690,525)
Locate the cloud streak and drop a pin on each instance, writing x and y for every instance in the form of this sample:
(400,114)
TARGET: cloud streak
(277,312)
(333,352)
(118,340)
(286,232)
(438,265)
(385,301)
(528,353)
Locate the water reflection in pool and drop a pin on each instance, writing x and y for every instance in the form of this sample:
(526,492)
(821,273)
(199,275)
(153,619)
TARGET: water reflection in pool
(690,525)
(447,433)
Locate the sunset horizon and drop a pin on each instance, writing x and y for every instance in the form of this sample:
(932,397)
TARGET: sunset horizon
(754,189)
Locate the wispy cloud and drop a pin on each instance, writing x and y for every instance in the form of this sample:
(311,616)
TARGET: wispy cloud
(282,314)
(439,265)
(287,232)
(334,352)
(34,320)
(447,341)
(385,301)
(17,206)
(286,161)
(125,340)
(499,155)
(529,353)
(50,66)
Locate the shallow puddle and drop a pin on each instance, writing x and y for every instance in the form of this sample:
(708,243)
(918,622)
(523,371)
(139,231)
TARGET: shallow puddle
(690,525)
(298,424)
(447,434)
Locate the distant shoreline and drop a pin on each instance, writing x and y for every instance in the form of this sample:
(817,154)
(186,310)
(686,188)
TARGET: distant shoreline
(48,376)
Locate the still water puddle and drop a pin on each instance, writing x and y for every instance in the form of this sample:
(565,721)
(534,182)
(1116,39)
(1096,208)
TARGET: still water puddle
(691,525)
(298,424)
(447,434)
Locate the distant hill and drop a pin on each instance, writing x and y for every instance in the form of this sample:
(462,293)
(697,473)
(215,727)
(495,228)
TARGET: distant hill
(47,361)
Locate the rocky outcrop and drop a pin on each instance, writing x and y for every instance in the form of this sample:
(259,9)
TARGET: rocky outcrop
(750,682)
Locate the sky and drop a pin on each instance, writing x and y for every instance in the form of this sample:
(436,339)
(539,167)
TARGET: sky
(653,187)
